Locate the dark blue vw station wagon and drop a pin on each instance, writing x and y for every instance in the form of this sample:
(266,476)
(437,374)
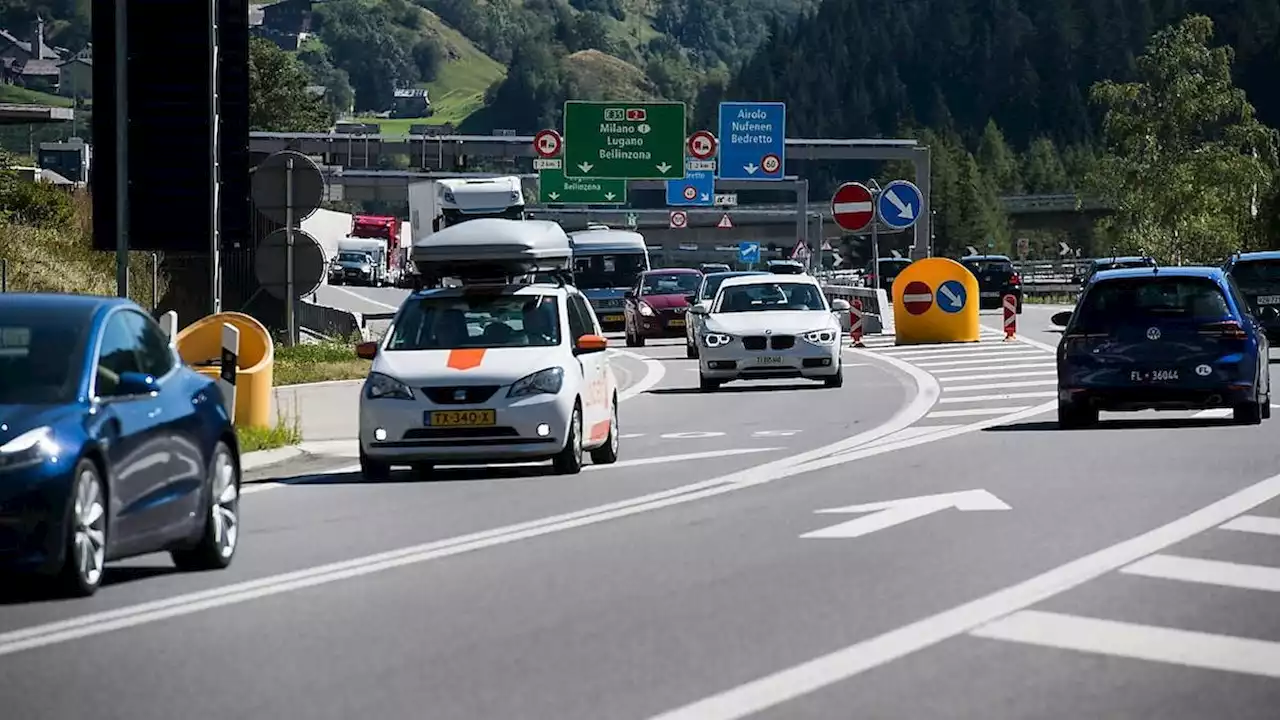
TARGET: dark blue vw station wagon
(1161,338)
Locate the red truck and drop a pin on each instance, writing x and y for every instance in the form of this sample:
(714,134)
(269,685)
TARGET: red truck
(379,227)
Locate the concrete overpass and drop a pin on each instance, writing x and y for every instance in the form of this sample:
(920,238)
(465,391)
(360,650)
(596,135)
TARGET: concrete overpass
(23,114)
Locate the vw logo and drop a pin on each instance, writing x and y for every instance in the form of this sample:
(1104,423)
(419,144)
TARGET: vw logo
(1153,333)
(1203,370)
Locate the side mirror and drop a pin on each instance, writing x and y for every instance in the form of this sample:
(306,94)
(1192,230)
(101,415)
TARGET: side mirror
(590,344)
(700,309)
(629,295)
(839,305)
(367,350)
(135,383)
(1061,318)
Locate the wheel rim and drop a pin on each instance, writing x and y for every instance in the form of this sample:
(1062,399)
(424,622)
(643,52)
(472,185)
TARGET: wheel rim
(225,505)
(613,430)
(90,534)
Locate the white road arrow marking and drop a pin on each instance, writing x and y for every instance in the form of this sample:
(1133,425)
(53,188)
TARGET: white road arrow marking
(585,167)
(608,196)
(904,210)
(895,512)
(553,196)
(951,295)
(663,168)
(750,168)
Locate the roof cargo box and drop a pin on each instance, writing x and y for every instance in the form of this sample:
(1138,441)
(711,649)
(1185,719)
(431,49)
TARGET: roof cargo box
(491,249)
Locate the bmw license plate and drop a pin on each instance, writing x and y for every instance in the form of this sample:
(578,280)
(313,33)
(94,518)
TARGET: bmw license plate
(1269,299)
(1165,375)
(769,360)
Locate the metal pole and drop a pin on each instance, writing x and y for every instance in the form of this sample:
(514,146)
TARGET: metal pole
(802,212)
(155,280)
(875,232)
(289,319)
(922,242)
(215,173)
(122,148)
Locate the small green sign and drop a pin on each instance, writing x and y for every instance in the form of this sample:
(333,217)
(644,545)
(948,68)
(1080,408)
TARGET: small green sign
(621,140)
(555,189)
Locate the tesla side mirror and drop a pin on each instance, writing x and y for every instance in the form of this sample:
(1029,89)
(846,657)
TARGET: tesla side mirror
(839,305)
(1061,318)
(135,383)
(590,344)
(367,350)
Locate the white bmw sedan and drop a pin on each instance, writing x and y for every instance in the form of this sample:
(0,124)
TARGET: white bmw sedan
(769,326)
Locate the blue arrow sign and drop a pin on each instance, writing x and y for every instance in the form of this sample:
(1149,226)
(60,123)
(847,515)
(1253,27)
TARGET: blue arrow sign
(899,204)
(951,296)
(749,252)
(753,140)
(697,189)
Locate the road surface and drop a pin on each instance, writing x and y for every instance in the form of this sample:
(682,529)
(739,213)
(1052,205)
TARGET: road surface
(916,544)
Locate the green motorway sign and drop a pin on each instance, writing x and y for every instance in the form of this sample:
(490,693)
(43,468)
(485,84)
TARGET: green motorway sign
(617,140)
(555,189)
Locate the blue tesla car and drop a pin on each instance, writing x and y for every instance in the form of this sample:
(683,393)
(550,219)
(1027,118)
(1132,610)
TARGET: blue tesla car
(110,446)
(1161,338)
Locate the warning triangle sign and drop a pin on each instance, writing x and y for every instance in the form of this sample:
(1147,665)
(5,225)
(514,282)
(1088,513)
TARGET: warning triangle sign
(826,245)
(801,251)
(725,223)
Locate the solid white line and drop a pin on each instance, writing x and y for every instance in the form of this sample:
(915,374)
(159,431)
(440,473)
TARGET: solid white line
(998,398)
(1207,572)
(1253,524)
(320,383)
(1212,413)
(358,296)
(654,372)
(987,359)
(687,457)
(107,621)
(1141,642)
(910,433)
(1000,366)
(999,386)
(997,376)
(800,680)
(976,411)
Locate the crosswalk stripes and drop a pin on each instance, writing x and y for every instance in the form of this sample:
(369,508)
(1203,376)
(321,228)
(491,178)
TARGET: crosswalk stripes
(1153,643)
(979,380)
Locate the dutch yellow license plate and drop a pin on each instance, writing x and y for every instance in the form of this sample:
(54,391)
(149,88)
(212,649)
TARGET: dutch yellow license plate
(462,418)
(676,323)
(615,318)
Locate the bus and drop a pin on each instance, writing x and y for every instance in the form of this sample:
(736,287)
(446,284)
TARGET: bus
(606,263)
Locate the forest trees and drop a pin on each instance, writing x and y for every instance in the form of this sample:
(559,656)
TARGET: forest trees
(278,96)
(1186,160)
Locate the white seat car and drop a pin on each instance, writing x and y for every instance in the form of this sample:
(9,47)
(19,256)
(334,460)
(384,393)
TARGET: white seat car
(497,370)
(770,326)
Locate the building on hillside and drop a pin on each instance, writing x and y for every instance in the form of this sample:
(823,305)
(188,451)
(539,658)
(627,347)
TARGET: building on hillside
(70,159)
(411,103)
(286,23)
(75,76)
(31,63)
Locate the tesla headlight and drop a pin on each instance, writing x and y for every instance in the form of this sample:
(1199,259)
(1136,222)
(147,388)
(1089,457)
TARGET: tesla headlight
(544,381)
(28,448)
(820,337)
(384,386)
(715,340)
(645,309)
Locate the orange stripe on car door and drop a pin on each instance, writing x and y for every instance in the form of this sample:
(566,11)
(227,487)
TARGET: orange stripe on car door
(465,358)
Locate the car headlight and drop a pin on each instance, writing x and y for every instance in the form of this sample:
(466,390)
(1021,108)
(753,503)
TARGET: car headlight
(715,340)
(645,309)
(820,337)
(380,386)
(29,448)
(544,381)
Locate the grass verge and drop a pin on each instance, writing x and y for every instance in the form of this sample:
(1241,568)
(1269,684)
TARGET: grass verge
(318,362)
(286,431)
(23,96)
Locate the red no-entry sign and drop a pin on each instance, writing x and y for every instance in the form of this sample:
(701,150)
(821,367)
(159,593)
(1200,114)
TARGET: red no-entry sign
(851,207)
(917,297)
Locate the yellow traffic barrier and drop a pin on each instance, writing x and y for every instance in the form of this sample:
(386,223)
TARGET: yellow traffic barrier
(935,300)
(201,346)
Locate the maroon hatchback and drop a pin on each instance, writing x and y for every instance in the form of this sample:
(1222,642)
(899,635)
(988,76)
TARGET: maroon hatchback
(656,306)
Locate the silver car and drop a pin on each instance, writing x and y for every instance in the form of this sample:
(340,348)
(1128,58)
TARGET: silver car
(767,327)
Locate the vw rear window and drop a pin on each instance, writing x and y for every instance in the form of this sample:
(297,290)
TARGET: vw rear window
(1113,303)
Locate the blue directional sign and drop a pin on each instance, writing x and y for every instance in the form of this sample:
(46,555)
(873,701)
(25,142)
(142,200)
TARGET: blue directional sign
(951,296)
(899,204)
(697,189)
(753,140)
(749,252)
